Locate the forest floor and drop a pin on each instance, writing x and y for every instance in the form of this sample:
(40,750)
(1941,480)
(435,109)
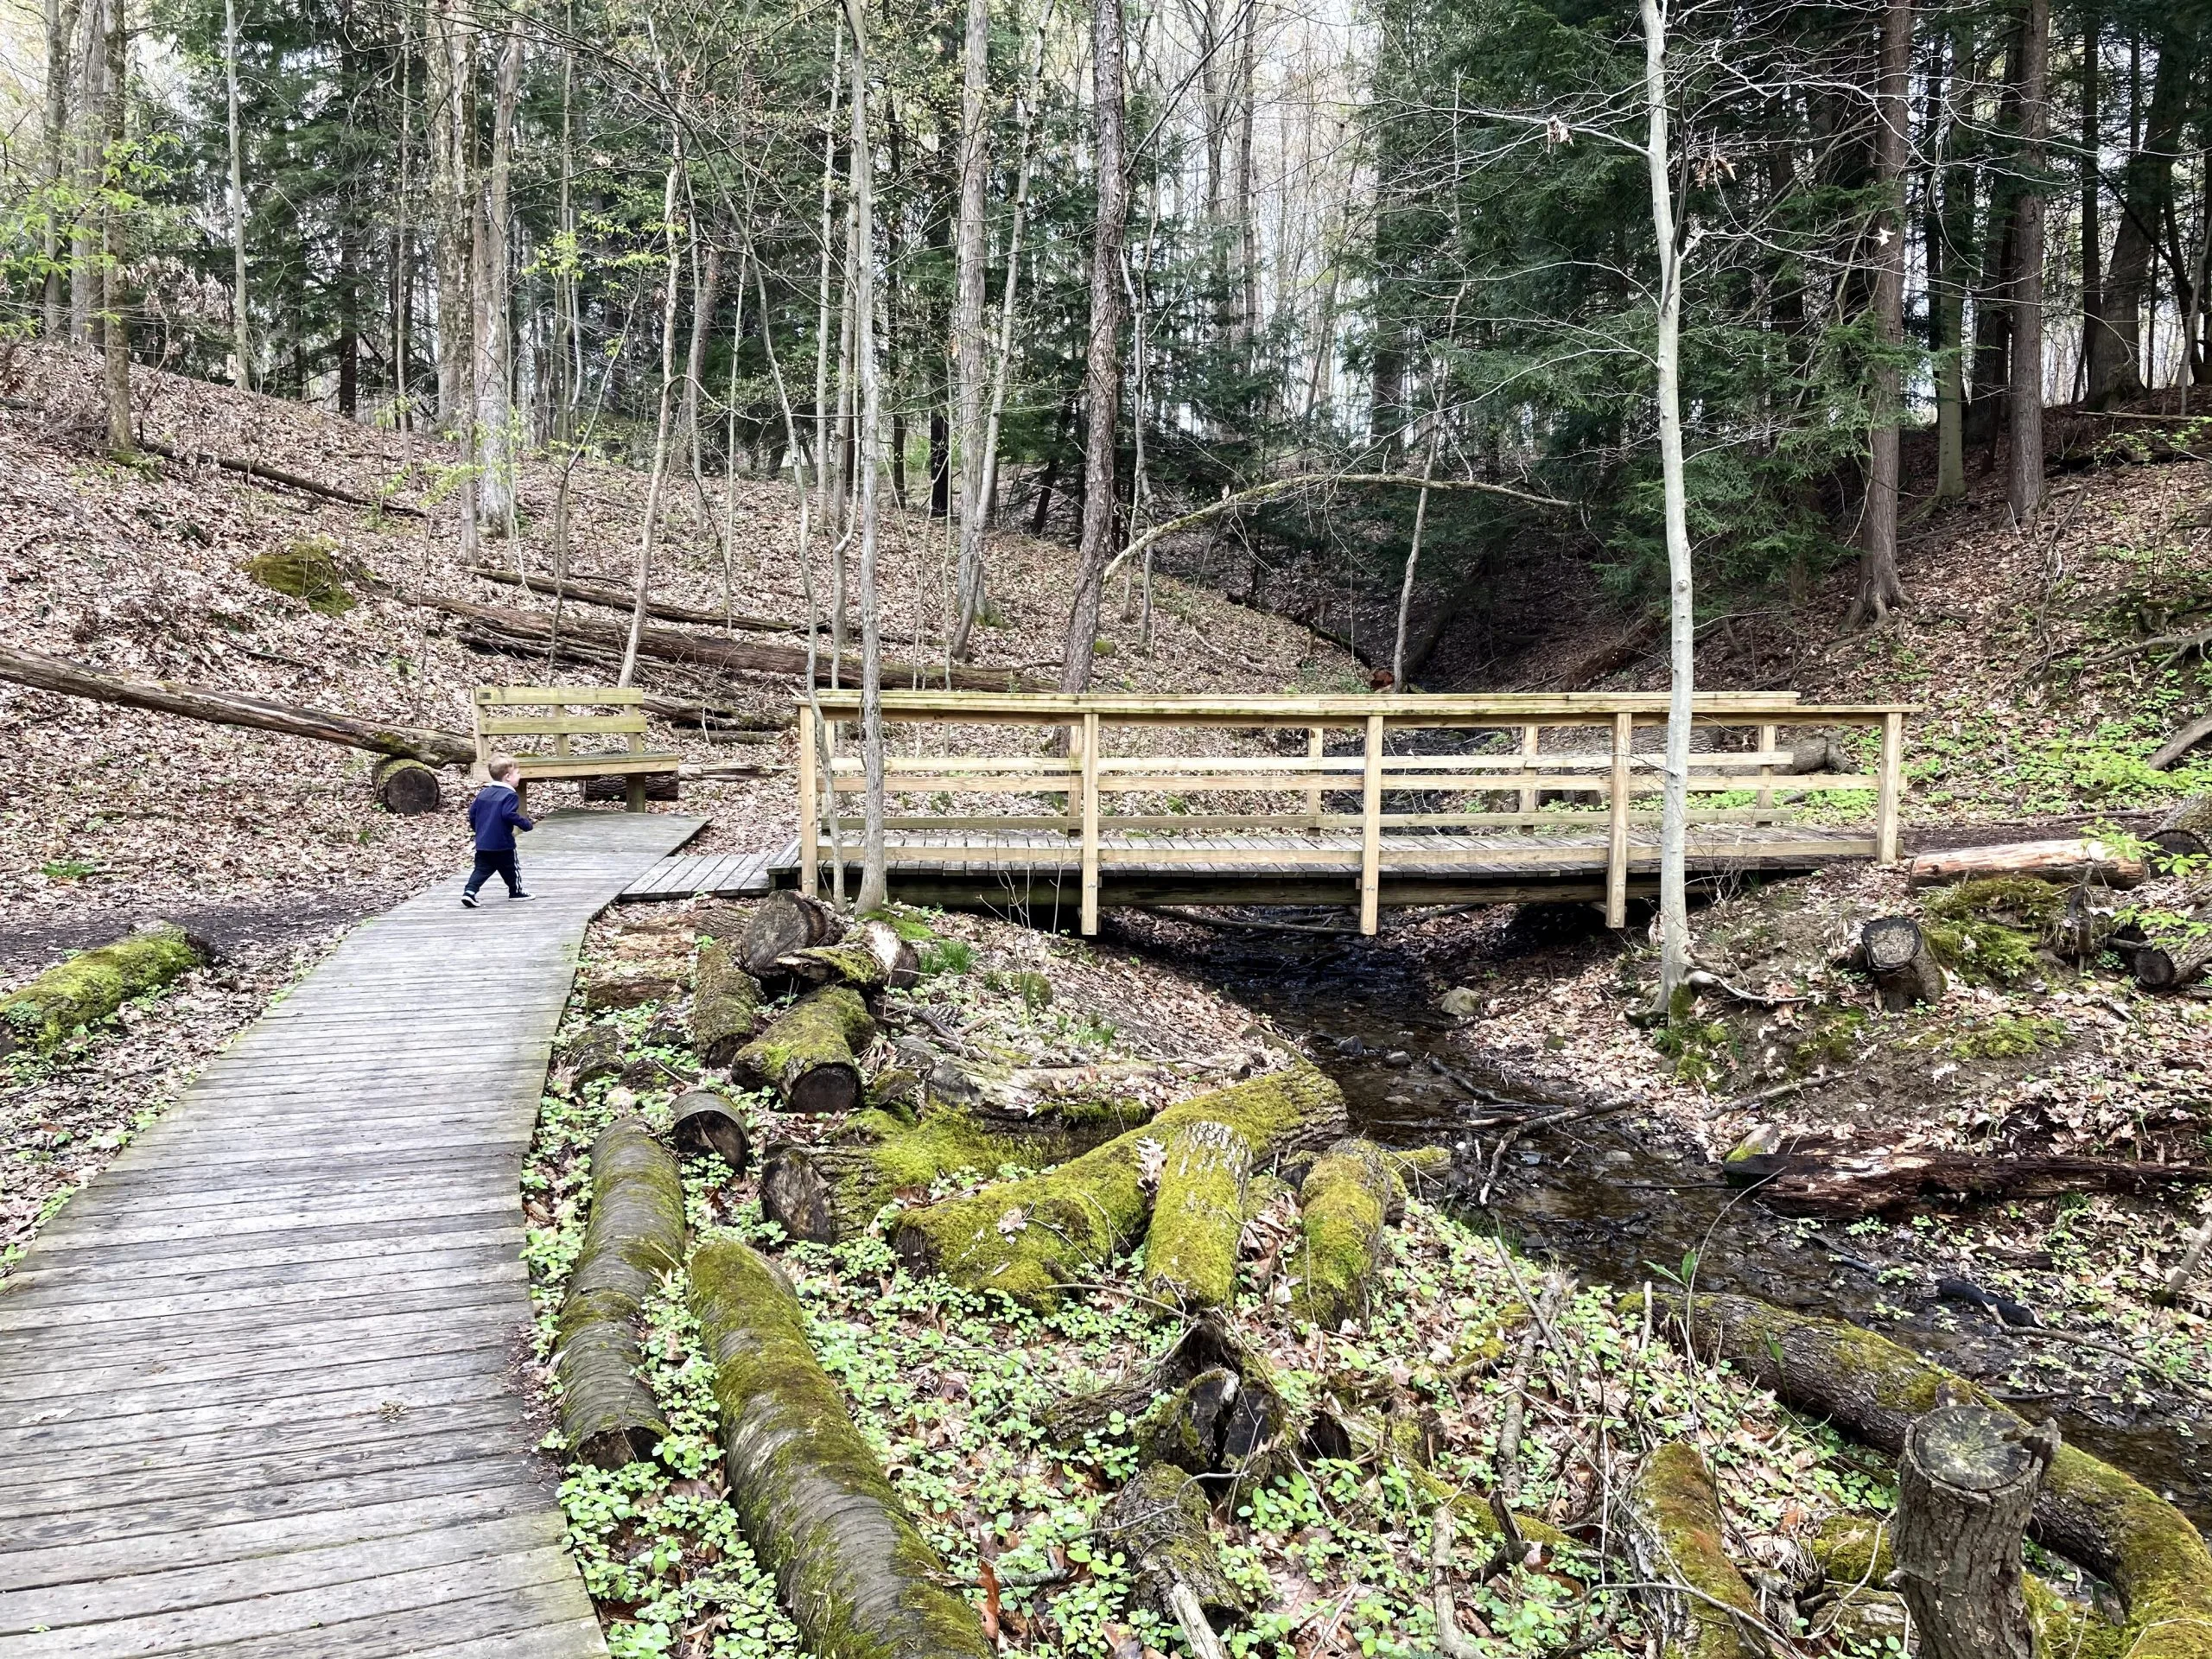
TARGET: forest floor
(2043,708)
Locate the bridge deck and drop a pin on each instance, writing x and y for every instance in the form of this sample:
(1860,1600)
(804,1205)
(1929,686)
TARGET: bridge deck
(257,1388)
(988,869)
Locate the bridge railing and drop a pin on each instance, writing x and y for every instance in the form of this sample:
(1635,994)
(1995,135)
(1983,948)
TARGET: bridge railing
(1160,761)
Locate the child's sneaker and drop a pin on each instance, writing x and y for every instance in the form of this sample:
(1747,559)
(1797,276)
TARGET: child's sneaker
(522,895)
(468,901)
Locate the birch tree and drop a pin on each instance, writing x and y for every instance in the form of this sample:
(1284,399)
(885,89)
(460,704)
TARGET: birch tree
(874,888)
(967,321)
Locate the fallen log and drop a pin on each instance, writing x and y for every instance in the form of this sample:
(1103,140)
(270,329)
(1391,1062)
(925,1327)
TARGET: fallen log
(1343,1204)
(854,1570)
(1835,1177)
(2181,743)
(234,709)
(1966,1482)
(635,1236)
(2048,860)
(730,655)
(1033,1238)
(1159,1522)
(585,590)
(596,1052)
(1165,1411)
(701,1122)
(1903,969)
(784,921)
(403,786)
(1190,1249)
(834,1190)
(1676,1535)
(2185,832)
(2088,1510)
(266,474)
(91,985)
(810,1057)
(725,1005)
(615,786)
(2172,964)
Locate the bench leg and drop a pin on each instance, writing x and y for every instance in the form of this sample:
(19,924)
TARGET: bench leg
(522,796)
(635,784)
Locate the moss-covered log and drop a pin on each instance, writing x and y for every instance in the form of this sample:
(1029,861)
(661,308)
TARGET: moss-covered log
(635,1236)
(810,1057)
(595,1053)
(725,1005)
(1677,1539)
(842,964)
(91,985)
(857,1576)
(1159,1522)
(1032,1238)
(784,922)
(1343,1204)
(1190,1251)
(833,1191)
(2088,1510)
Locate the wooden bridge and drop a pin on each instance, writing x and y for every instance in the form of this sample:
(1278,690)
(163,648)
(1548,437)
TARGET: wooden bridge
(1084,803)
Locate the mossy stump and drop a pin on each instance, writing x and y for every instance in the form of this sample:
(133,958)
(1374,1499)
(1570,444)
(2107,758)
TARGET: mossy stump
(1966,1486)
(635,1236)
(1190,1251)
(855,1574)
(1034,1238)
(1678,1540)
(306,569)
(1344,1204)
(725,1005)
(91,985)
(1160,1521)
(810,1057)
(833,1191)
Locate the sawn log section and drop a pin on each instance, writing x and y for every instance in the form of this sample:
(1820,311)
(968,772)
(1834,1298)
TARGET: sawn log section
(1362,801)
(256,1387)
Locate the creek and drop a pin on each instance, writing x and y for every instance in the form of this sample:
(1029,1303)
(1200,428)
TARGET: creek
(1621,1200)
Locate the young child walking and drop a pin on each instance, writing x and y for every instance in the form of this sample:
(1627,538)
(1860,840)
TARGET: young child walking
(496,814)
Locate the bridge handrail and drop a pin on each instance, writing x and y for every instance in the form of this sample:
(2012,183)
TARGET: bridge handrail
(1086,774)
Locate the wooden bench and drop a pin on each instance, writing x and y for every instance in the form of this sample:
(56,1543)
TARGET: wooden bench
(569,712)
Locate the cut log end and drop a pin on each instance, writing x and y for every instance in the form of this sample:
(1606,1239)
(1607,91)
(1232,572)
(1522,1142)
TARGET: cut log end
(1900,962)
(615,786)
(406,788)
(702,1122)
(797,1195)
(810,1056)
(780,923)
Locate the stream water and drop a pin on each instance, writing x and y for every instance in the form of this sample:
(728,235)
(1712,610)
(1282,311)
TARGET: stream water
(1611,1197)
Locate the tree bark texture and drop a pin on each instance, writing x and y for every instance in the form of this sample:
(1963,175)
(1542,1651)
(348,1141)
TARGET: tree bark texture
(2023,458)
(1903,969)
(702,1122)
(2147,187)
(234,709)
(1102,376)
(1828,1175)
(1871,1388)
(972,368)
(810,1057)
(1677,1534)
(725,1005)
(783,922)
(1878,586)
(635,1236)
(1035,1238)
(2048,860)
(854,1571)
(1190,1253)
(1967,1484)
(1344,1204)
(1161,1520)
(115,333)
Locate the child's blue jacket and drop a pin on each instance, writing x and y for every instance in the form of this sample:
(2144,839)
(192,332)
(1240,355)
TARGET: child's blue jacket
(495,814)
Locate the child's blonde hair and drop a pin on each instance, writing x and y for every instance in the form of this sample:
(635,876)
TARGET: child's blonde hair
(502,766)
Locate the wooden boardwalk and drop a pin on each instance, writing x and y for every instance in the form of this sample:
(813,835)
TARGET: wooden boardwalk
(257,1390)
(719,875)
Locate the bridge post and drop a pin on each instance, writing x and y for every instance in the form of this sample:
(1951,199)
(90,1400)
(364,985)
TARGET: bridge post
(1529,734)
(1617,815)
(810,807)
(1892,788)
(1089,824)
(1770,734)
(1317,745)
(1370,830)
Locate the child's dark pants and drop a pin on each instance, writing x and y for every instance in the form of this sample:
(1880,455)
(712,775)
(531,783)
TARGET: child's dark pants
(503,865)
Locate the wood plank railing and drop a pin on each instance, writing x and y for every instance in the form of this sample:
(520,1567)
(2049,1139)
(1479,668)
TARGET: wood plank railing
(1531,751)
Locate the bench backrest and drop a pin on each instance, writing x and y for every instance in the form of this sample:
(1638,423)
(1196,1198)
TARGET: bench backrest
(559,712)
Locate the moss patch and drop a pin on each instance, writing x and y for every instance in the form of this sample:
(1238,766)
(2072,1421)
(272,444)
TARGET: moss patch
(93,985)
(304,569)
(1985,953)
(1342,1206)
(1190,1251)
(1680,1510)
(2009,900)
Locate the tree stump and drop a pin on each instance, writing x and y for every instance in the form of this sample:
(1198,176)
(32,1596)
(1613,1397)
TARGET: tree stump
(2079,932)
(1903,969)
(405,787)
(701,1122)
(1967,1484)
(780,923)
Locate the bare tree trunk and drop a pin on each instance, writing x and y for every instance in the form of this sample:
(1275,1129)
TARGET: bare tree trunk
(968,322)
(706,294)
(448,95)
(1002,363)
(1878,586)
(1103,382)
(2024,471)
(2146,183)
(61,21)
(241,341)
(493,310)
(874,889)
(1674,899)
(821,313)
(1950,233)
(649,534)
(116,331)
(2093,301)
(83,231)
(1413,562)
